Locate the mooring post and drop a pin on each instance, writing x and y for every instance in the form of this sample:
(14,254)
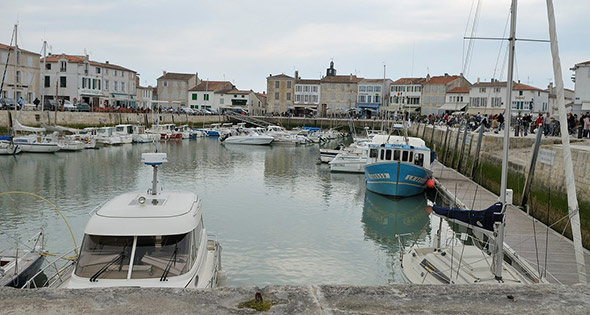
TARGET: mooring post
(456,145)
(469,149)
(462,149)
(529,178)
(424,131)
(445,145)
(432,135)
(477,149)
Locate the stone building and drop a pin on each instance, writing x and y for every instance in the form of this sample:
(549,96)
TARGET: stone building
(280,93)
(173,88)
(406,94)
(79,79)
(435,89)
(338,92)
(258,107)
(307,96)
(373,96)
(26,74)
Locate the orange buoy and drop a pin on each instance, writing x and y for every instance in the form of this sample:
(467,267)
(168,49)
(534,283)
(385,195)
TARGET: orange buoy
(430,183)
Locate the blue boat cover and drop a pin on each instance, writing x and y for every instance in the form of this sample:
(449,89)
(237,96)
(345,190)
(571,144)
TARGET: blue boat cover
(2,137)
(484,219)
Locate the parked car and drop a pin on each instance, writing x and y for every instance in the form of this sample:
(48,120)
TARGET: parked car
(213,111)
(82,107)
(69,106)
(49,105)
(8,103)
(206,111)
(186,110)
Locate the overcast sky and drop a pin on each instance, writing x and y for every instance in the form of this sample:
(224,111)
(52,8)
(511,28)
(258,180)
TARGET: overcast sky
(245,41)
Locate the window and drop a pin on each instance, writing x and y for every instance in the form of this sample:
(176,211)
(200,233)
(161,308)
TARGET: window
(373,153)
(298,88)
(277,85)
(377,89)
(382,155)
(99,80)
(83,83)
(306,98)
(405,156)
(482,90)
(362,88)
(288,84)
(63,66)
(93,84)
(194,97)
(98,70)
(289,95)
(18,77)
(106,84)
(62,82)
(276,95)
(520,93)
(47,81)
(206,97)
(122,86)
(297,98)
(396,155)
(441,99)
(435,89)
(427,88)
(497,90)
(165,83)
(419,159)
(48,66)
(388,155)
(221,101)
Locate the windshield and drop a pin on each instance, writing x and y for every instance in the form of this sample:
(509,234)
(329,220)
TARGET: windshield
(108,257)
(109,254)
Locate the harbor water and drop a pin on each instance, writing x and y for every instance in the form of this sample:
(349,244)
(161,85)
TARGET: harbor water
(281,217)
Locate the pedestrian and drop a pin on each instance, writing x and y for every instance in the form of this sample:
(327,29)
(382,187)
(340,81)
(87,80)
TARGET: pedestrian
(36,102)
(526,121)
(547,124)
(587,125)
(20,102)
(518,126)
(571,123)
(500,122)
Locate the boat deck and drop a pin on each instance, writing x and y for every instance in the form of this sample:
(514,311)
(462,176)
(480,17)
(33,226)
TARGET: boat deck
(521,229)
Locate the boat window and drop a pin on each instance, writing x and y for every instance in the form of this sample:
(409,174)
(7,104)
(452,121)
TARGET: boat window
(419,159)
(119,129)
(382,155)
(196,240)
(154,254)
(104,257)
(404,156)
(396,155)
(373,153)
(388,155)
(411,156)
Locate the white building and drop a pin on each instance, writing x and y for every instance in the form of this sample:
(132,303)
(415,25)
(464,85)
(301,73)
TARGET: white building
(456,100)
(489,98)
(144,96)
(207,94)
(406,93)
(581,79)
(236,100)
(373,95)
(26,74)
(307,96)
(76,78)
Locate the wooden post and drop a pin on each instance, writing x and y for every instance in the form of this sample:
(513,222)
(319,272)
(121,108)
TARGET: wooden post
(478,148)
(432,135)
(529,178)
(445,145)
(455,146)
(424,130)
(462,149)
(469,150)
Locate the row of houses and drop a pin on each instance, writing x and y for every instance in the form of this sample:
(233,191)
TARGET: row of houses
(77,78)
(428,95)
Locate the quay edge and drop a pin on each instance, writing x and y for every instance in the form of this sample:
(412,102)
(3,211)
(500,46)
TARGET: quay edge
(321,299)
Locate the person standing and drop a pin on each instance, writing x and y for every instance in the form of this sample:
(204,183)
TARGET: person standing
(518,126)
(500,122)
(587,125)
(547,124)
(36,102)
(526,121)
(20,103)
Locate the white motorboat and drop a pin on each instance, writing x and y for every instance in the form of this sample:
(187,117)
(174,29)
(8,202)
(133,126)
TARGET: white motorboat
(141,135)
(349,163)
(184,130)
(107,135)
(7,148)
(247,136)
(125,132)
(146,239)
(17,266)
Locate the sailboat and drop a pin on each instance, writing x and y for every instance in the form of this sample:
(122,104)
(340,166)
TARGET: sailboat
(469,264)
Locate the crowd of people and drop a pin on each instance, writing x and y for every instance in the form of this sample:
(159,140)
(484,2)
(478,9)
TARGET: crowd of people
(522,125)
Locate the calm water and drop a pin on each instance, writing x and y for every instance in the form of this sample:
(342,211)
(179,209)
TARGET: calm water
(280,217)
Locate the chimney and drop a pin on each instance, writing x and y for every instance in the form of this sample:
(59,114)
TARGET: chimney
(107,62)
(351,77)
(296,75)
(446,74)
(163,72)
(477,80)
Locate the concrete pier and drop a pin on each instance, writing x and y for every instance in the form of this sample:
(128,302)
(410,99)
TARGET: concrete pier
(321,299)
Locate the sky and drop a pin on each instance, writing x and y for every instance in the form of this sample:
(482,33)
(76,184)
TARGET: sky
(245,41)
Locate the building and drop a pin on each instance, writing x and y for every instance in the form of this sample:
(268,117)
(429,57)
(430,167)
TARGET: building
(307,96)
(406,93)
(26,74)
(435,89)
(144,96)
(258,107)
(338,92)
(280,93)
(568,96)
(581,80)
(373,96)
(236,100)
(77,78)
(173,88)
(489,98)
(456,100)
(206,94)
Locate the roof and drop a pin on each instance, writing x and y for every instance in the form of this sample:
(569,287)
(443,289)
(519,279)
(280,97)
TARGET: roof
(305,81)
(494,83)
(177,76)
(214,86)
(443,79)
(6,47)
(459,90)
(82,59)
(380,81)
(341,79)
(404,81)
(521,86)
(279,76)
(236,91)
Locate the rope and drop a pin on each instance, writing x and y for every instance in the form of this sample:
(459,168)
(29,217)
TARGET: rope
(54,207)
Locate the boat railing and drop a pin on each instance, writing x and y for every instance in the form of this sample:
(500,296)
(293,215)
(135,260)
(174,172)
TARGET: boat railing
(60,266)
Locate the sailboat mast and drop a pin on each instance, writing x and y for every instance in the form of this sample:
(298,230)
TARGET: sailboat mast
(572,199)
(506,144)
(42,79)
(15,73)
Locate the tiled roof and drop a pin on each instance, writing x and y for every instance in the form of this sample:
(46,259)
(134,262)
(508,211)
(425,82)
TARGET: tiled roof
(443,79)
(459,90)
(279,76)
(341,79)
(81,59)
(521,86)
(214,86)
(372,80)
(177,76)
(236,91)
(489,84)
(305,81)
(6,47)
(404,81)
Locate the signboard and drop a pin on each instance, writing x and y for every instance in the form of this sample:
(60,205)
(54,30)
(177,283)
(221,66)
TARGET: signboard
(546,156)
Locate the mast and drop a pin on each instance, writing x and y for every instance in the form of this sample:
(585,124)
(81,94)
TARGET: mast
(42,79)
(570,184)
(15,74)
(499,257)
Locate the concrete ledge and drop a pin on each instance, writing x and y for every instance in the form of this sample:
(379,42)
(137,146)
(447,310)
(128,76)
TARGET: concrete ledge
(323,299)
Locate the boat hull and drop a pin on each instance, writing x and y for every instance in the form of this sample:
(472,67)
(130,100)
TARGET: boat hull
(262,140)
(396,179)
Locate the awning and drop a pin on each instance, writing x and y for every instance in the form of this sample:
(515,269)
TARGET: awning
(452,106)
(585,107)
(485,110)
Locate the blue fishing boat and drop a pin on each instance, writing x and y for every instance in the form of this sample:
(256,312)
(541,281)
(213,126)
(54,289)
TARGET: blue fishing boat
(399,167)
